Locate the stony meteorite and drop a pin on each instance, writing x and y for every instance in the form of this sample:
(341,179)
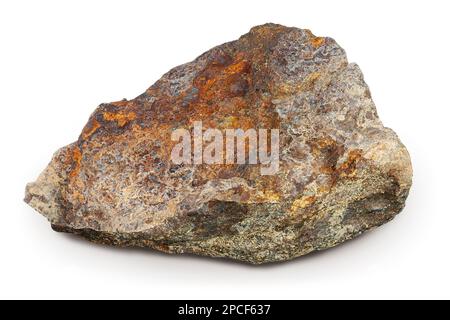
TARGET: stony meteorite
(341,171)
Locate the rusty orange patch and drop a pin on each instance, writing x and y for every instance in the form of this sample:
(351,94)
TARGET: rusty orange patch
(122,103)
(316,42)
(76,158)
(122,118)
(90,130)
(348,168)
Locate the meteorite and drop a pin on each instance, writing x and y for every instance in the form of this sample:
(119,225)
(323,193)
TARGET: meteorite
(340,171)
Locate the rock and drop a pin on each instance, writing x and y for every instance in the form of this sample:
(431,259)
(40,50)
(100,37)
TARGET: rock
(341,172)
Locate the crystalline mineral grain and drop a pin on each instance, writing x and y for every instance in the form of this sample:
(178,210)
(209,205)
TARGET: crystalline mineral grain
(341,171)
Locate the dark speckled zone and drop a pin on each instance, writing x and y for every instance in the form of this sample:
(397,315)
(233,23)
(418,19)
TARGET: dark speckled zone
(341,171)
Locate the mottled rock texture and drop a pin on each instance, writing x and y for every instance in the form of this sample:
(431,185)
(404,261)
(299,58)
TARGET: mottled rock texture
(341,171)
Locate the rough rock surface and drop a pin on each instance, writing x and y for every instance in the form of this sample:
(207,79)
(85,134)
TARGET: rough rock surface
(341,171)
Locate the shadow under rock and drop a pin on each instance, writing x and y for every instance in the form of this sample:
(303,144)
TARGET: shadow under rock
(222,261)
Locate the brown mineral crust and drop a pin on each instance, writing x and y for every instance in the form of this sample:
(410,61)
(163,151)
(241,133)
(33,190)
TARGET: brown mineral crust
(341,172)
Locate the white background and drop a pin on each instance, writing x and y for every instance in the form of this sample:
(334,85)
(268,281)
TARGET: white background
(60,59)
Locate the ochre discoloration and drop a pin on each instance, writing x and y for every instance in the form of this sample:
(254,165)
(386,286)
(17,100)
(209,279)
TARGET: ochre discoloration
(90,129)
(122,118)
(348,168)
(302,203)
(76,161)
(316,42)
